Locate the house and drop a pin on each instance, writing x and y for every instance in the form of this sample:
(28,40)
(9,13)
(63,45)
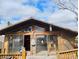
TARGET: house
(38,38)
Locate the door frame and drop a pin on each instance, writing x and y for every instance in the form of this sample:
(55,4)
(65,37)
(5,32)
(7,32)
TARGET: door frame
(24,41)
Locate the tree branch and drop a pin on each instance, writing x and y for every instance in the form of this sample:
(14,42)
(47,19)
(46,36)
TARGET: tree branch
(62,6)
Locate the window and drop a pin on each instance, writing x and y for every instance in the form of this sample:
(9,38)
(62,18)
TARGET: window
(52,39)
(46,43)
(41,43)
(10,43)
(27,29)
(15,42)
(39,29)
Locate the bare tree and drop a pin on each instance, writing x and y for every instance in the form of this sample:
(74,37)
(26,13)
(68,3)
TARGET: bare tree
(71,5)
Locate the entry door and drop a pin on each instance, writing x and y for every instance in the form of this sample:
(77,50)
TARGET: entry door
(27,42)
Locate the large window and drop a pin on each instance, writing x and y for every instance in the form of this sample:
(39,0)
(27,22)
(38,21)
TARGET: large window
(15,43)
(41,47)
(46,44)
(52,39)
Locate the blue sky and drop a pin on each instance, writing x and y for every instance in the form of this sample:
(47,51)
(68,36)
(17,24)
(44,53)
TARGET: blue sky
(46,10)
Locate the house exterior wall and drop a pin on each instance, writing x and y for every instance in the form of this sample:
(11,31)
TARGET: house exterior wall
(66,42)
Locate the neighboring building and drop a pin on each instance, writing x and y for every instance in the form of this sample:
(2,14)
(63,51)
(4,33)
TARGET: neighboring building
(38,38)
(1,42)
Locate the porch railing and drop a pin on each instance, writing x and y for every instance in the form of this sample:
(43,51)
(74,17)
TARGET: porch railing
(14,55)
(70,54)
(10,56)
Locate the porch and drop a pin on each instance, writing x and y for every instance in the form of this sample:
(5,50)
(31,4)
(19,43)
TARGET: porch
(35,43)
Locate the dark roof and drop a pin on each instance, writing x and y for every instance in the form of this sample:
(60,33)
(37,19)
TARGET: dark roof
(30,22)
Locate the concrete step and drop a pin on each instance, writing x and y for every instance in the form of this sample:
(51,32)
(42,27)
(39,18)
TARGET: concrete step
(41,57)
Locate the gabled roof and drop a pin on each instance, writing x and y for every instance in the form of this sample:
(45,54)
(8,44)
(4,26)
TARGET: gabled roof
(30,22)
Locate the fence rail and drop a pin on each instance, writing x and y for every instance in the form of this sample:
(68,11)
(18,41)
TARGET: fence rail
(10,56)
(70,54)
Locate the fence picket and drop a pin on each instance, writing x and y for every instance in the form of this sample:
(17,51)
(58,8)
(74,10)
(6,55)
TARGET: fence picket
(70,54)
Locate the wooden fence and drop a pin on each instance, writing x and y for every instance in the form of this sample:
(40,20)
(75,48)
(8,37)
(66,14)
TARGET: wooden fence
(14,55)
(70,54)
(10,56)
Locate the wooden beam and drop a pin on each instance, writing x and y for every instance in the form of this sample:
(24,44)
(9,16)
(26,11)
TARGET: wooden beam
(47,33)
(29,33)
(6,45)
(33,38)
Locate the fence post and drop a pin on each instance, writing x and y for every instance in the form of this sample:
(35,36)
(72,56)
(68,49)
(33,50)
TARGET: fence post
(58,56)
(23,53)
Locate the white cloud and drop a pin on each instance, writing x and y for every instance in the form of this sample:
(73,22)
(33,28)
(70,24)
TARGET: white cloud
(2,26)
(64,18)
(10,8)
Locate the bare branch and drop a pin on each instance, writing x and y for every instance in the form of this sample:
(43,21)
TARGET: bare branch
(73,5)
(61,5)
(64,6)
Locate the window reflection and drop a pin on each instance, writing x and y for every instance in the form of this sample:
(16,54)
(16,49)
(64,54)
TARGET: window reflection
(52,44)
(15,42)
(41,47)
(45,44)
(39,29)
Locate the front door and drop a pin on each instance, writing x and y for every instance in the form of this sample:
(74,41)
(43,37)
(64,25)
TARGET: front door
(27,42)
